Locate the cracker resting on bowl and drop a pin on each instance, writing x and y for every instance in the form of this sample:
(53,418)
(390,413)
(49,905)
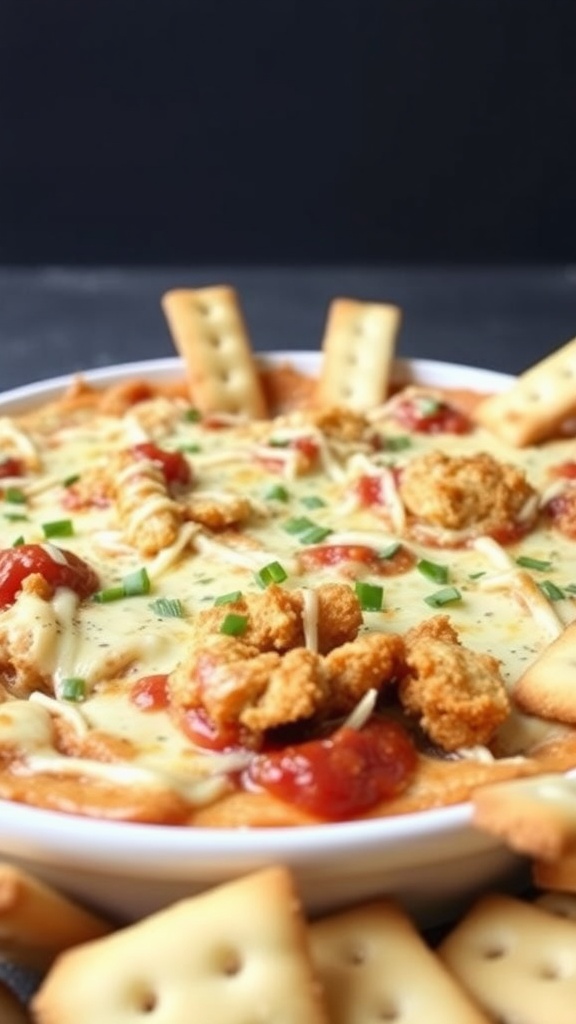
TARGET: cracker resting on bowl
(537,404)
(209,331)
(357,353)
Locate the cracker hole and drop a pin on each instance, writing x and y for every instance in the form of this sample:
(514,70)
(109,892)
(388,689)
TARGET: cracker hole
(147,1001)
(230,962)
(356,955)
(494,952)
(387,1013)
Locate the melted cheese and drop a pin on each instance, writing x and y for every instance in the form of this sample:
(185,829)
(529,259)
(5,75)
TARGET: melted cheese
(503,610)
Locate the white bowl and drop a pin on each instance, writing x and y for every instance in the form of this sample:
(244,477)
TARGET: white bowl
(433,861)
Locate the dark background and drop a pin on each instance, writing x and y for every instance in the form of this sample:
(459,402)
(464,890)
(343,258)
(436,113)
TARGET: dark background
(255,131)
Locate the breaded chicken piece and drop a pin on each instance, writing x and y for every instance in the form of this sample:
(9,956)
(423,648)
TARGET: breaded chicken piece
(468,492)
(275,617)
(562,510)
(364,664)
(25,631)
(149,517)
(457,695)
(437,627)
(235,684)
(217,513)
(341,424)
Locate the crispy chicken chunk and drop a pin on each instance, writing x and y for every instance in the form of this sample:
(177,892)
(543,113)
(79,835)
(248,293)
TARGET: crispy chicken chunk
(217,513)
(457,695)
(149,517)
(276,617)
(235,684)
(468,492)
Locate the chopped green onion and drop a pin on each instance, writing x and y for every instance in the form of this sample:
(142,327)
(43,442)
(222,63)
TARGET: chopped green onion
(168,608)
(15,517)
(234,625)
(72,479)
(427,405)
(571,588)
(278,442)
(390,551)
(190,448)
(370,596)
(433,571)
(109,594)
(133,585)
(533,563)
(192,415)
(398,443)
(58,528)
(277,493)
(73,688)
(315,535)
(476,575)
(298,525)
(447,595)
(551,591)
(136,583)
(271,573)
(15,496)
(313,501)
(18,542)
(230,598)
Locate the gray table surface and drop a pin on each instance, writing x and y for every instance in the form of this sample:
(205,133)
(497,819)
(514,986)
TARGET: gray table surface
(56,320)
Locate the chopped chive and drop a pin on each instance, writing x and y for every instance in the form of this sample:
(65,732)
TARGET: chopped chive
(73,688)
(390,550)
(133,585)
(190,448)
(315,535)
(277,493)
(433,571)
(551,591)
(15,496)
(447,595)
(109,594)
(370,596)
(298,525)
(313,501)
(69,480)
(192,415)
(533,563)
(136,583)
(230,598)
(234,625)
(428,406)
(58,528)
(398,443)
(168,608)
(271,573)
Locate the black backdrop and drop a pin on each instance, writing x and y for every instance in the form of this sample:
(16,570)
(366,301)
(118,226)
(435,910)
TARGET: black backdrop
(274,131)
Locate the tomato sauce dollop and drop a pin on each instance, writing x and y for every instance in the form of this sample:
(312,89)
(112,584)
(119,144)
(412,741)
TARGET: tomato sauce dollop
(425,415)
(65,569)
(174,466)
(150,693)
(340,776)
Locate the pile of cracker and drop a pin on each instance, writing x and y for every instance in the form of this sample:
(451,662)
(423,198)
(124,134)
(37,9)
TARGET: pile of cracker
(244,952)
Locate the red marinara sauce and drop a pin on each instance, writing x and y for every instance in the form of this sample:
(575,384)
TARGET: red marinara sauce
(150,693)
(60,569)
(174,465)
(340,776)
(351,556)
